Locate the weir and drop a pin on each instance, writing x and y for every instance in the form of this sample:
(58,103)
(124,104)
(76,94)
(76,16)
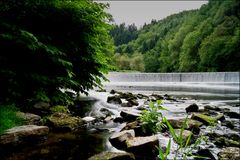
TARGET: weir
(206,82)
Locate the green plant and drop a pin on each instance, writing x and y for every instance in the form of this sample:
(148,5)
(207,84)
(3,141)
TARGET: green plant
(8,118)
(151,120)
(184,148)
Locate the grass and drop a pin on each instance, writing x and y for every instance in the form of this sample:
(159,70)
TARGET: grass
(8,118)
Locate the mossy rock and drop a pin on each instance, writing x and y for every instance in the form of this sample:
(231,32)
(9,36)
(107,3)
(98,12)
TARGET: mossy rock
(113,156)
(224,141)
(207,120)
(230,153)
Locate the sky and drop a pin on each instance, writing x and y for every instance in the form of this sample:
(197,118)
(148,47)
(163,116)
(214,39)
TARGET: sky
(140,12)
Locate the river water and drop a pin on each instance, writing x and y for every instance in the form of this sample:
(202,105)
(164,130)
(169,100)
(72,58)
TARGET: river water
(219,89)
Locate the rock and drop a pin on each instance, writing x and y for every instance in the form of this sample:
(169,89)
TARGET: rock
(126,104)
(113,156)
(192,108)
(118,120)
(41,108)
(133,102)
(229,153)
(127,95)
(24,134)
(30,119)
(228,124)
(233,114)
(88,119)
(118,139)
(190,124)
(214,108)
(129,116)
(144,147)
(135,126)
(113,91)
(206,153)
(157,97)
(108,119)
(185,135)
(63,122)
(141,96)
(224,141)
(106,112)
(114,99)
(101,90)
(207,120)
(168,97)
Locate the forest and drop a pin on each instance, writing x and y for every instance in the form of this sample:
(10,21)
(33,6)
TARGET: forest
(207,39)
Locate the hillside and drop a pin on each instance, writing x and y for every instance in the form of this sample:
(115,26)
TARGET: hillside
(207,39)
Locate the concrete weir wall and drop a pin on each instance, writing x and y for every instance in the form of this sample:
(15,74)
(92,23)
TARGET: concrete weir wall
(211,82)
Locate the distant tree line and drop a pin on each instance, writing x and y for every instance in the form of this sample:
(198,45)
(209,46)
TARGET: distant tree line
(207,39)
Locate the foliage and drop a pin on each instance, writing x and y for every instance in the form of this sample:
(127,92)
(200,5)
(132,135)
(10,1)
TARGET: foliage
(207,39)
(8,117)
(50,45)
(151,120)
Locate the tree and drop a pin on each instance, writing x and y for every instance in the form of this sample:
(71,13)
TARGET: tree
(48,45)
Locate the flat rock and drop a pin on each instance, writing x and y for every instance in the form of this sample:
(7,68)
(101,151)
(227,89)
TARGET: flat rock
(207,120)
(23,134)
(129,116)
(118,139)
(113,156)
(30,119)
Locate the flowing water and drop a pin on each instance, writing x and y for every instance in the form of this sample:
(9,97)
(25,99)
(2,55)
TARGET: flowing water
(220,89)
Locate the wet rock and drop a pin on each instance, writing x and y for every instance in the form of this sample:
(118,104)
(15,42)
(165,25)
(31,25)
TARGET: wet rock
(168,97)
(214,108)
(233,114)
(224,141)
(29,118)
(127,95)
(229,153)
(64,122)
(23,134)
(114,99)
(141,96)
(135,126)
(157,97)
(133,102)
(142,107)
(207,120)
(192,108)
(113,91)
(113,156)
(106,112)
(190,124)
(101,90)
(228,124)
(118,140)
(206,153)
(118,120)
(108,119)
(144,147)
(41,108)
(126,104)
(129,116)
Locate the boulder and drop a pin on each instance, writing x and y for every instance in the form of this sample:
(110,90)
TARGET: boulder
(29,118)
(224,141)
(129,116)
(64,122)
(144,147)
(135,126)
(230,153)
(113,91)
(185,135)
(113,156)
(214,108)
(192,108)
(114,99)
(118,139)
(106,112)
(133,102)
(118,120)
(190,124)
(24,134)
(232,114)
(207,120)
(41,108)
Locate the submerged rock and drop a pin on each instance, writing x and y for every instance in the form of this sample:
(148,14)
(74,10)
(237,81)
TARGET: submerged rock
(113,156)
(64,122)
(118,139)
(229,153)
(23,134)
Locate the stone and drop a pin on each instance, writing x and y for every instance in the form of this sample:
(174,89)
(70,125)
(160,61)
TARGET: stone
(113,91)
(118,139)
(185,135)
(207,120)
(106,112)
(118,120)
(233,114)
(24,134)
(214,108)
(224,141)
(108,119)
(135,126)
(192,108)
(126,104)
(129,116)
(144,147)
(113,156)
(88,119)
(141,96)
(229,153)
(228,124)
(133,102)
(41,108)
(190,124)
(64,122)
(29,118)
(114,99)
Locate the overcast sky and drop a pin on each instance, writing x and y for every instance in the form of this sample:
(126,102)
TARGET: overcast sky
(139,12)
